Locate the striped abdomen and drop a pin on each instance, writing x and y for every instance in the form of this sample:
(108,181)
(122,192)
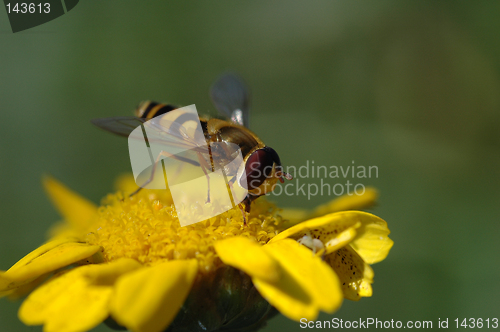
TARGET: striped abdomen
(150,109)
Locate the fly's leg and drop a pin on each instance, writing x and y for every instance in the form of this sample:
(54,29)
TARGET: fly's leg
(243,213)
(248,201)
(204,167)
(231,182)
(150,177)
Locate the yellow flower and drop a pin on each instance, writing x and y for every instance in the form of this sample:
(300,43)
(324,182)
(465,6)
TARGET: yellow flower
(129,264)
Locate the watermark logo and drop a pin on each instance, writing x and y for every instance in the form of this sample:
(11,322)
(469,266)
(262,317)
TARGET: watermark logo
(322,180)
(29,14)
(170,151)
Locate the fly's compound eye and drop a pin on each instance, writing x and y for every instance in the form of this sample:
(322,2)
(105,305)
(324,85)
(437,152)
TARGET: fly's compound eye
(259,166)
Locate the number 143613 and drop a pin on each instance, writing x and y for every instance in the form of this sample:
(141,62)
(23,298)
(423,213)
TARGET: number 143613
(25,8)
(477,323)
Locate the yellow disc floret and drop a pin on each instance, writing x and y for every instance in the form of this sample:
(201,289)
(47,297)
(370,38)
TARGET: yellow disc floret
(145,227)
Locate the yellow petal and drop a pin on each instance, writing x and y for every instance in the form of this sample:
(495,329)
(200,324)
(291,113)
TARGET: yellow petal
(13,284)
(66,303)
(126,183)
(306,286)
(106,274)
(77,300)
(36,308)
(8,286)
(334,230)
(83,308)
(348,202)
(148,300)
(51,260)
(40,251)
(292,216)
(74,208)
(248,256)
(63,229)
(372,241)
(355,275)
(20,289)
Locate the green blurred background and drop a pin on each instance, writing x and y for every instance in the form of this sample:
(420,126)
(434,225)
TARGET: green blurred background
(412,87)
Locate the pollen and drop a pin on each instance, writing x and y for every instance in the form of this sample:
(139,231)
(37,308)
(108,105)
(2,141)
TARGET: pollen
(145,227)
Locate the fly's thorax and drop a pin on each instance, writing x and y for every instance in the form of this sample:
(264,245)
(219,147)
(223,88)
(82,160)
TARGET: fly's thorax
(228,156)
(229,132)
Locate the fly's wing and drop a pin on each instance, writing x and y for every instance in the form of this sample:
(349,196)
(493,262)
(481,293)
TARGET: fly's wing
(181,129)
(159,131)
(231,97)
(178,142)
(120,125)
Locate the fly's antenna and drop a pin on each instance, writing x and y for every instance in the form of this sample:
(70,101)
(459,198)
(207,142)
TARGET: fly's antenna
(280,174)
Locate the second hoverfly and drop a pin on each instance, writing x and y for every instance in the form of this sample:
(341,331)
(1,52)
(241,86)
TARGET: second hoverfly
(257,172)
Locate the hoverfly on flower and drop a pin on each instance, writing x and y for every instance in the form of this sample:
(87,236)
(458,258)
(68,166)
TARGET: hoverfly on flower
(209,144)
(131,264)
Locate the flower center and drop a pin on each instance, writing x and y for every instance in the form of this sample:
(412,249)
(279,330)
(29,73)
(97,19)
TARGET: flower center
(145,227)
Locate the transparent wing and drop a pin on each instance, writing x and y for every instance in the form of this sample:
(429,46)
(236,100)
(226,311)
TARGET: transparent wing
(159,131)
(152,140)
(120,125)
(231,97)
